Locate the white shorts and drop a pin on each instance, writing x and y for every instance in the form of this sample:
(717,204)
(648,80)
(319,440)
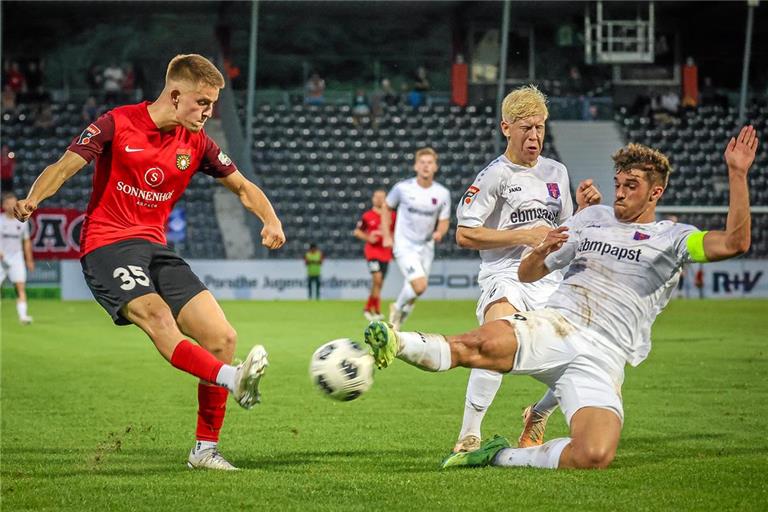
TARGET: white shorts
(566,358)
(523,296)
(414,260)
(14,268)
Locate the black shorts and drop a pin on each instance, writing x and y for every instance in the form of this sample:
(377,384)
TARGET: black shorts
(378,266)
(120,272)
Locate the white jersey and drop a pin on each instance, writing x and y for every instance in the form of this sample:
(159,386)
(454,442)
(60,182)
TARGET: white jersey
(621,276)
(12,233)
(418,211)
(509,196)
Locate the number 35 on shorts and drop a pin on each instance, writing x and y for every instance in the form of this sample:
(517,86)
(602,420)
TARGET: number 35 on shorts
(131,275)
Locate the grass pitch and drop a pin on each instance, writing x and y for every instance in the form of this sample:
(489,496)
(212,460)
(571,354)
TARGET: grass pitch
(94,419)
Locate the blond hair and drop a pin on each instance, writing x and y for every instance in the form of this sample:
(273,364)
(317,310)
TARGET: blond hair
(648,160)
(525,101)
(194,68)
(425,151)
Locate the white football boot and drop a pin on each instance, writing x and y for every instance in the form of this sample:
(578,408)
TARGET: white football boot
(209,459)
(248,376)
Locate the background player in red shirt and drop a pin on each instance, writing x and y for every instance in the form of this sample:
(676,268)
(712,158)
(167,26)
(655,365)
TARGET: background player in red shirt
(145,157)
(378,257)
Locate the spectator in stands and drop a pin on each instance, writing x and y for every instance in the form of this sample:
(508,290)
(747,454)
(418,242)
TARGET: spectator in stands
(35,84)
(314,90)
(421,86)
(698,281)
(90,110)
(313,259)
(43,116)
(360,107)
(112,82)
(94,79)
(15,78)
(7,165)
(8,99)
(388,94)
(129,83)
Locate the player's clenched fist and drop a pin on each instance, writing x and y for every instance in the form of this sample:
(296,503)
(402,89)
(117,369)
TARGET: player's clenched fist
(272,236)
(23,209)
(587,194)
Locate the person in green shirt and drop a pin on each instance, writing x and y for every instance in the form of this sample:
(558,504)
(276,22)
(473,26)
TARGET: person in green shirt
(313,259)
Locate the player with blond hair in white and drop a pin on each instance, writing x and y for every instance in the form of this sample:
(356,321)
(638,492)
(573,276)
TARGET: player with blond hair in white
(423,216)
(511,206)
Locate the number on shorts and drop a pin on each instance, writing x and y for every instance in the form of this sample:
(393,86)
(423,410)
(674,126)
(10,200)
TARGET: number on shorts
(130,277)
(518,316)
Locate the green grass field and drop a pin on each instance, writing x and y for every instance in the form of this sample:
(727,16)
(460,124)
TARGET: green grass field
(94,419)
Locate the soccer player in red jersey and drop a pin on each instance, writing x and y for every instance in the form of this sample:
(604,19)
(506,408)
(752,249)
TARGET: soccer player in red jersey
(378,257)
(145,157)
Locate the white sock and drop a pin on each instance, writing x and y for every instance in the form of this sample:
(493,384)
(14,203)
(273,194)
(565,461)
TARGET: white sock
(406,295)
(201,446)
(226,377)
(21,308)
(544,456)
(481,390)
(546,404)
(427,351)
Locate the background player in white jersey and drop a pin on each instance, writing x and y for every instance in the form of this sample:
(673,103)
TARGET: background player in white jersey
(423,215)
(512,204)
(16,254)
(623,270)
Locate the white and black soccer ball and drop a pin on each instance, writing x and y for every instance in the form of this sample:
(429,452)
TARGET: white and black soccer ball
(342,369)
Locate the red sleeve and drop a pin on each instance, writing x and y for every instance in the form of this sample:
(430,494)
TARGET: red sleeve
(362,224)
(95,138)
(215,162)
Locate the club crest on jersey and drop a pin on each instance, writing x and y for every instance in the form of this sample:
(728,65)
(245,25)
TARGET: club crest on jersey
(641,236)
(469,194)
(224,159)
(88,134)
(434,200)
(554,190)
(183,158)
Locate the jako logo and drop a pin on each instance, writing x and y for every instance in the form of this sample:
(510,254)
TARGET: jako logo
(154,176)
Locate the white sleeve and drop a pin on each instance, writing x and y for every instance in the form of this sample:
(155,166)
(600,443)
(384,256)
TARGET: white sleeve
(393,198)
(445,208)
(567,210)
(479,201)
(25,231)
(565,254)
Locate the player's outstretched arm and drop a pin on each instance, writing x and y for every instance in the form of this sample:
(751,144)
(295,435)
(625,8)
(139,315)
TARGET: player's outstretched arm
(736,239)
(480,237)
(532,267)
(48,183)
(256,202)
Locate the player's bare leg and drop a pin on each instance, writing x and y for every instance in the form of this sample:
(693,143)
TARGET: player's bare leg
(492,346)
(403,306)
(203,320)
(21,303)
(153,316)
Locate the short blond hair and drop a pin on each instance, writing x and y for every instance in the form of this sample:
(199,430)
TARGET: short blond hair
(425,151)
(648,160)
(195,69)
(525,101)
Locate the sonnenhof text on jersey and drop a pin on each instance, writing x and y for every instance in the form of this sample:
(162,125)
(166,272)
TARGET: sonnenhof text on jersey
(147,195)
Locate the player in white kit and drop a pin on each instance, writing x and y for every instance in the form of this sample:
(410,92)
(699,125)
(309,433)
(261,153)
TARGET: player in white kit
(423,216)
(512,204)
(624,267)
(16,254)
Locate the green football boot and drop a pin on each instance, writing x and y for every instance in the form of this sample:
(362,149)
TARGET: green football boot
(383,342)
(483,456)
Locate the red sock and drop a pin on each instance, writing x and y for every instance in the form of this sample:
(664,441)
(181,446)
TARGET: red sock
(376,304)
(212,404)
(196,360)
(369,304)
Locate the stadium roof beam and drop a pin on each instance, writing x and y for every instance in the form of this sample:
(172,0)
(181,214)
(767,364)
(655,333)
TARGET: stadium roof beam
(502,70)
(251,92)
(747,57)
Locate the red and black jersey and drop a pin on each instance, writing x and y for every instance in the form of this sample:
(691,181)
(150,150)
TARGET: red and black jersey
(370,223)
(140,173)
